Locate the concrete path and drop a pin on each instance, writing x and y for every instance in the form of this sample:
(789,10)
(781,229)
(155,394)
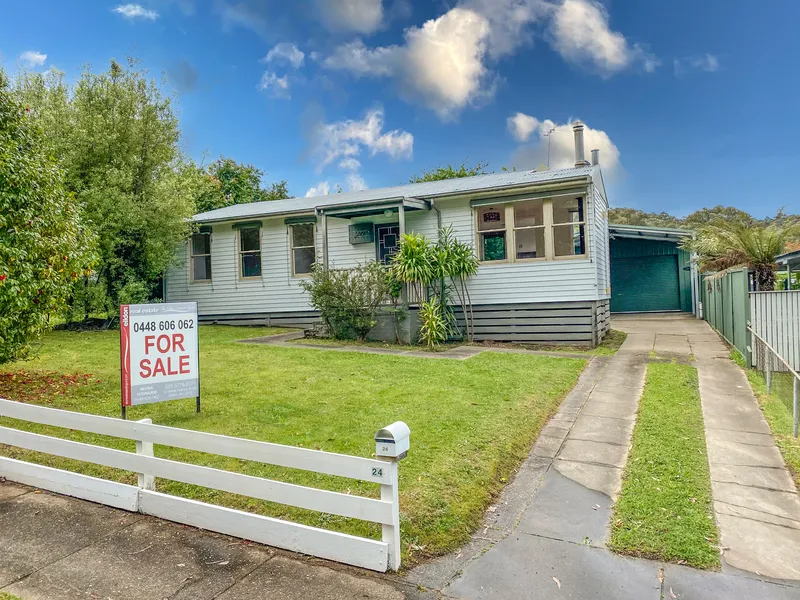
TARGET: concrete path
(545,537)
(58,548)
(755,500)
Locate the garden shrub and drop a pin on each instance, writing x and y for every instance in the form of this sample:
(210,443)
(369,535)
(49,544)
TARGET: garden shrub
(348,299)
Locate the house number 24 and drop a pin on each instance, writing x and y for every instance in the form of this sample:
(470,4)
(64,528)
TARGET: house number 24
(377,472)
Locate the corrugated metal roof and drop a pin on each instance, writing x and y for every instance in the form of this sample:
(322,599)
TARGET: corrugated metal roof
(428,189)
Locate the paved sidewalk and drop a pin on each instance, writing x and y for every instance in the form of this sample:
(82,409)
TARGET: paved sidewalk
(58,548)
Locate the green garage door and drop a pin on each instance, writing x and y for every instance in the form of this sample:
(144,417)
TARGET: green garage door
(645,283)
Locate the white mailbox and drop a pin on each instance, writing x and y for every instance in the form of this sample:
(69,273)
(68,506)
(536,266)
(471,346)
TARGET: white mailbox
(393,441)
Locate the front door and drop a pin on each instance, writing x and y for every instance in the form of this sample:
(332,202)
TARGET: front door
(387,241)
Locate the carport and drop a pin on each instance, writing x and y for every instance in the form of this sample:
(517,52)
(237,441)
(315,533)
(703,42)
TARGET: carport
(650,272)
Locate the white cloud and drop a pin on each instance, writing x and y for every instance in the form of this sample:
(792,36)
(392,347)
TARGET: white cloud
(350,164)
(509,22)
(699,62)
(562,146)
(33,58)
(522,126)
(355,182)
(135,11)
(323,188)
(276,86)
(356,16)
(346,139)
(285,52)
(440,64)
(580,32)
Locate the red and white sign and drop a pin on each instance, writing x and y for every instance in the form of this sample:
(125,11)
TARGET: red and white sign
(158,352)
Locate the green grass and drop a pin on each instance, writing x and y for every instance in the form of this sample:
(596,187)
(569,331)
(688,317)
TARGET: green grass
(472,422)
(664,511)
(777,411)
(371,344)
(5,596)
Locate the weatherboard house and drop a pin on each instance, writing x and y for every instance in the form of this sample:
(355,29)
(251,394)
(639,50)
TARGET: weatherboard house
(542,239)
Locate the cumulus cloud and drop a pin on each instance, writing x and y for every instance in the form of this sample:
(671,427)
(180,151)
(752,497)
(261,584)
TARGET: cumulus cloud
(351,16)
(561,145)
(323,188)
(347,139)
(355,182)
(135,11)
(33,58)
(285,53)
(350,164)
(509,22)
(441,64)
(708,63)
(276,86)
(580,32)
(522,126)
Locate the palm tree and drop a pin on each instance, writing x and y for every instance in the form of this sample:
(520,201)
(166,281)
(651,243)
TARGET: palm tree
(722,245)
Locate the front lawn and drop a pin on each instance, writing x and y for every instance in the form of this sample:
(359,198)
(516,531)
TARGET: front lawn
(472,422)
(664,511)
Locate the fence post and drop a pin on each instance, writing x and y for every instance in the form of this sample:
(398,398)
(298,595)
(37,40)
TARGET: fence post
(391,446)
(796,405)
(146,482)
(768,370)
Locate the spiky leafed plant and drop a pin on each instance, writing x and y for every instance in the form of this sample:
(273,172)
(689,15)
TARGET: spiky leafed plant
(724,245)
(413,262)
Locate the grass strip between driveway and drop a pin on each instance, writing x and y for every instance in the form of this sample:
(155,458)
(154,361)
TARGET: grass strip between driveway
(665,509)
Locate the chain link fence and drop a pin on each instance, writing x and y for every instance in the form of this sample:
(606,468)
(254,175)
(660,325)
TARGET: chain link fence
(783,382)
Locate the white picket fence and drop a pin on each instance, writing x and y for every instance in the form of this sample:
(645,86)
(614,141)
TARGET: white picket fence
(361,552)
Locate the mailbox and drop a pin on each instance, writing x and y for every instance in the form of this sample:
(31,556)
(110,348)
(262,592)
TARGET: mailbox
(392,441)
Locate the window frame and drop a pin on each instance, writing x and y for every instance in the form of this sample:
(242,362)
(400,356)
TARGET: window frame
(292,248)
(192,256)
(548,225)
(242,253)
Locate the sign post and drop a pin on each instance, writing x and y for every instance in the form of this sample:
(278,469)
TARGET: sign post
(159,353)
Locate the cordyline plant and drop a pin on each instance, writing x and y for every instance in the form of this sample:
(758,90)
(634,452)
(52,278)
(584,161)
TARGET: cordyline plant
(722,245)
(443,267)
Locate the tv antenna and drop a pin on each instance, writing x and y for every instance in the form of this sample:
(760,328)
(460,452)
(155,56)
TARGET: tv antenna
(547,135)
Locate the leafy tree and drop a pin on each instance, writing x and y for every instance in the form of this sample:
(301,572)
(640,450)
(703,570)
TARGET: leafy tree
(725,244)
(44,245)
(632,216)
(234,183)
(450,172)
(118,139)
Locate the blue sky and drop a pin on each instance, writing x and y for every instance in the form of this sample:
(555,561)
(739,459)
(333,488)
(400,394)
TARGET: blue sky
(679,96)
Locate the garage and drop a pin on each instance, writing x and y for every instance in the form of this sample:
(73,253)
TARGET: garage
(649,270)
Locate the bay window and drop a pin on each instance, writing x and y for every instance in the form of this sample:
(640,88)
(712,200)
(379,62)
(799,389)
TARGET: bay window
(536,229)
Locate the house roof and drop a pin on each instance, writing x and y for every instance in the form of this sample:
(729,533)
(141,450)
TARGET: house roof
(790,258)
(426,190)
(673,234)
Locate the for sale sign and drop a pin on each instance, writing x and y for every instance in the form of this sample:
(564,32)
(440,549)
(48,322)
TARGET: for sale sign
(159,352)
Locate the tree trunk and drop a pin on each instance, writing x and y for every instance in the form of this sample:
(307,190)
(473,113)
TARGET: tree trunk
(765,278)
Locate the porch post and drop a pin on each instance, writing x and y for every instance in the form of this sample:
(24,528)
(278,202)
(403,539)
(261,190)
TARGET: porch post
(324,240)
(401,218)
(788,276)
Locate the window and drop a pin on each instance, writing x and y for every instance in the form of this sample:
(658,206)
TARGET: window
(303,248)
(201,256)
(569,238)
(533,229)
(492,232)
(529,229)
(250,251)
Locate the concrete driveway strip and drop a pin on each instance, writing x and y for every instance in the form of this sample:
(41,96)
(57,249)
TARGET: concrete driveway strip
(755,499)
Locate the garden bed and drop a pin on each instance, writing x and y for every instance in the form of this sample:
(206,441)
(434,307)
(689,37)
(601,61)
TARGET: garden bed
(472,421)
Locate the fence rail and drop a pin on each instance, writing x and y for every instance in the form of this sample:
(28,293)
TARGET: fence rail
(775,317)
(782,380)
(371,554)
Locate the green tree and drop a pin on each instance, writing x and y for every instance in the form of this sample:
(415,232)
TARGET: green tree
(725,244)
(118,139)
(234,183)
(44,245)
(450,172)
